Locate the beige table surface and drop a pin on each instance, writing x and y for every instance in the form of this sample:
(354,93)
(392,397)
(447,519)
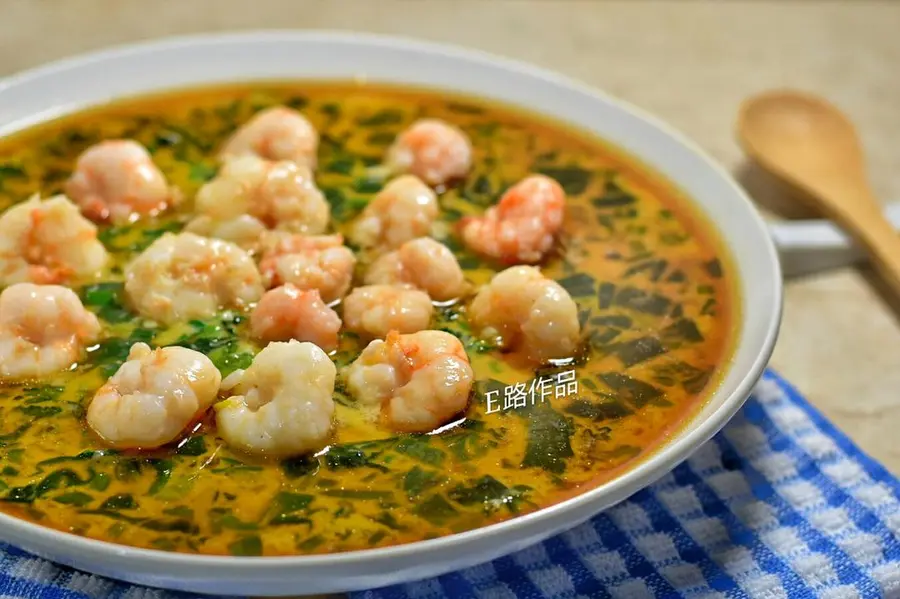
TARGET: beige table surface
(691,63)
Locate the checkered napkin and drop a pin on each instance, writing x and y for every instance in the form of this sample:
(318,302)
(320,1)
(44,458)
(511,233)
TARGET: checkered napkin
(780,504)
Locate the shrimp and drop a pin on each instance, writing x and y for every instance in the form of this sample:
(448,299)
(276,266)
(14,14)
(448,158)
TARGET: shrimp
(405,209)
(251,195)
(289,313)
(153,397)
(277,133)
(283,402)
(423,263)
(433,150)
(420,381)
(48,241)
(521,228)
(116,180)
(527,311)
(319,262)
(374,310)
(43,329)
(185,276)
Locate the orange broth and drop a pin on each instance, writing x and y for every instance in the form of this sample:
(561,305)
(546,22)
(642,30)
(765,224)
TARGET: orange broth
(653,284)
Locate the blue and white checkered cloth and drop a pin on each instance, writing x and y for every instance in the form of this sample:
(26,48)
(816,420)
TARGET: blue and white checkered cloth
(779,504)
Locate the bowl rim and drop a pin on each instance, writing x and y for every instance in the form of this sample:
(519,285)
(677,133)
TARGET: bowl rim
(664,458)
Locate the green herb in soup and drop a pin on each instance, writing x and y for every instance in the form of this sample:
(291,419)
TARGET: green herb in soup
(654,324)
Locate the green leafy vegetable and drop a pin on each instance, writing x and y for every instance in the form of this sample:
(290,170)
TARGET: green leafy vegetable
(350,456)
(638,350)
(74,498)
(610,408)
(634,391)
(654,269)
(157,524)
(38,412)
(574,179)
(578,285)
(201,172)
(109,298)
(119,502)
(613,197)
(643,301)
(549,439)
(714,268)
(285,504)
(301,466)
(490,493)
(387,116)
(192,446)
(683,330)
(163,472)
(222,518)
(435,510)
(418,480)
(419,448)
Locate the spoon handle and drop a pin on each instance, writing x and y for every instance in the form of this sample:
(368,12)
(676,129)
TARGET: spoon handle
(867,224)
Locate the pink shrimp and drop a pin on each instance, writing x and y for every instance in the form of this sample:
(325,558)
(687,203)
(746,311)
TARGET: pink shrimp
(433,150)
(286,313)
(522,227)
(116,180)
(419,381)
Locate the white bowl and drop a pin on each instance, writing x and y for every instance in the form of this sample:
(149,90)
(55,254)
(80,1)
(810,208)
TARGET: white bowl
(75,83)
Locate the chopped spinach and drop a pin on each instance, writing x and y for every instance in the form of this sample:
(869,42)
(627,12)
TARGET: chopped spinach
(157,524)
(299,466)
(217,339)
(683,330)
(223,518)
(613,196)
(341,166)
(418,480)
(246,546)
(578,285)
(420,448)
(609,408)
(62,478)
(351,456)
(714,268)
(574,179)
(638,350)
(109,299)
(201,172)
(387,116)
(365,185)
(606,292)
(549,439)
(192,446)
(654,269)
(119,502)
(435,510)
(38,412)
(490,493)
(643,301)
(283,506)
(74,498)
(634,391)
(163,469)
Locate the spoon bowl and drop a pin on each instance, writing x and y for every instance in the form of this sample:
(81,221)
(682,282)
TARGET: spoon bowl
(811,145)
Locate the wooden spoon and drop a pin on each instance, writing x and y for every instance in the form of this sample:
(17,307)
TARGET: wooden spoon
(811,145)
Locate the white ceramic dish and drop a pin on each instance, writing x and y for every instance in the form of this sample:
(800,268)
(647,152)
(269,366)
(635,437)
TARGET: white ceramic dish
(75,83)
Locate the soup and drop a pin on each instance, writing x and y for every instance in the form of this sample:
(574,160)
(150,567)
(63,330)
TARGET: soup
(655,305)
